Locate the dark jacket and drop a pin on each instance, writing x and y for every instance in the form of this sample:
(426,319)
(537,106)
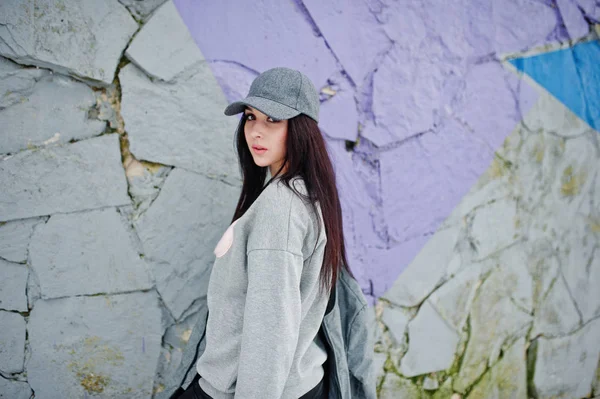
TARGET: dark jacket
(348,340)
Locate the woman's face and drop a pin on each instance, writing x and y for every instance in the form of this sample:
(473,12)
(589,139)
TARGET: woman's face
(266,139)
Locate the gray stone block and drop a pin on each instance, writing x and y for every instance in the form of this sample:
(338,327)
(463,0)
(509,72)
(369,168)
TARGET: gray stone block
(13,283)
(80,37)
(12,342)
(432,343)
(11,389)
(92,248)
(45,109)
(141,9)
(566,367)
(164,47)
(199,209)
(14,239)
(104,346)
(396,321)
(180,124)
(84,175)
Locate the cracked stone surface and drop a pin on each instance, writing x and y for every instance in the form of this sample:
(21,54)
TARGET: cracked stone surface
(396,320)
(12,342)
(200,137)
(82,38)
(141,9)
(191,206)
(432,343)
(164,47)
(575,22)
(11,389)
(75,245)
(41,108)
(66,179)
(506,379)
(14,239)
(557,314)
(396,387)
(12,286)
(580,351)
(114,353)
(493,227)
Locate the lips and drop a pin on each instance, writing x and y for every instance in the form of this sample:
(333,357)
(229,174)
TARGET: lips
(258,148)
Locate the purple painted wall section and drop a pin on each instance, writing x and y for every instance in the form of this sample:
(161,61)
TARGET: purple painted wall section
(419,83)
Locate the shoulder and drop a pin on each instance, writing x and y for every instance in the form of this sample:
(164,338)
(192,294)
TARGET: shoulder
(278,198)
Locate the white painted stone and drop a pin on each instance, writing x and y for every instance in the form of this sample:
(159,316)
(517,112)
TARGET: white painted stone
(11,389)
(79,37)
(395,387)
(13,283)
(493,227)
(72,177)
(164,47)
(566,367)
(425,271)
(557,314)
(199,136)
(430,384)
(507,378)
(197,208)
(432,343)
(12,342)
(396,320)
(141,9)
(14,239)
(495,321)
(108,346)
(43,109)
(92,248)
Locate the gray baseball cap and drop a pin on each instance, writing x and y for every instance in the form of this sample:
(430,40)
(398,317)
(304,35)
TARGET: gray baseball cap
(280,93)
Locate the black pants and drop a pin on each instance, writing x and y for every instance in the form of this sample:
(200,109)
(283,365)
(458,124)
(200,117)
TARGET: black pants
(195,392)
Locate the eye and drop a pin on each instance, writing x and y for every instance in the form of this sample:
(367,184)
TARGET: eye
(250,117)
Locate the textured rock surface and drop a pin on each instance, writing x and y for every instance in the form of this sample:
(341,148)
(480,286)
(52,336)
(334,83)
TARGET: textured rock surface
(12,342)
(113,354)
(65,178)
(580,351)
(11,389)
(14,239)
(141,9)
(191,206)
(42,108)
(164,47)
(83,38)
(199,137)
(75,245)
(12,286)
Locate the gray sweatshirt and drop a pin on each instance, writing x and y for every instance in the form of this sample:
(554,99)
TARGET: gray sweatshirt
(264,304)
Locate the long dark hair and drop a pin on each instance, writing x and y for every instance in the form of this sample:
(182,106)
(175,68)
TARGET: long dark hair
(307,157)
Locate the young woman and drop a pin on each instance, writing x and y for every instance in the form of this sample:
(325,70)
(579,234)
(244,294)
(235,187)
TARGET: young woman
(277,262)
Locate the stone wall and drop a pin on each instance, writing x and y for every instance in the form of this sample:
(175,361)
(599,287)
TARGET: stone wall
(465,140)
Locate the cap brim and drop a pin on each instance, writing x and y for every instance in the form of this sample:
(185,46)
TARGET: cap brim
(268,107)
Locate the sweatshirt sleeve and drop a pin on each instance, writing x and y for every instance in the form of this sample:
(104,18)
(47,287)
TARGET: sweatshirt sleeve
(271,323)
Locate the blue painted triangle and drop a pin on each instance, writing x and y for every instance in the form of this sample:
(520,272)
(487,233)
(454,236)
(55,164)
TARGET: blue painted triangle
(571,75)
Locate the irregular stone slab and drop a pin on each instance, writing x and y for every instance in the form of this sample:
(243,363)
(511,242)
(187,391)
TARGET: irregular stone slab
(200,137)
(495,321)
(141,9)
(11,389)
(51,109)
(353,33)
(573,19)
(14,239)
(396,321)
(431,343)
(108,346)
(425,178)
(395,387)
(557,314)
(164,47)
(12,342)
(493,227)
(145,182)
(453,299)
(346,128)
(76,244)
(83,175)
(13,286)
(70,37)
(580,351)
(506,379)
(203,211)
(426,271)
